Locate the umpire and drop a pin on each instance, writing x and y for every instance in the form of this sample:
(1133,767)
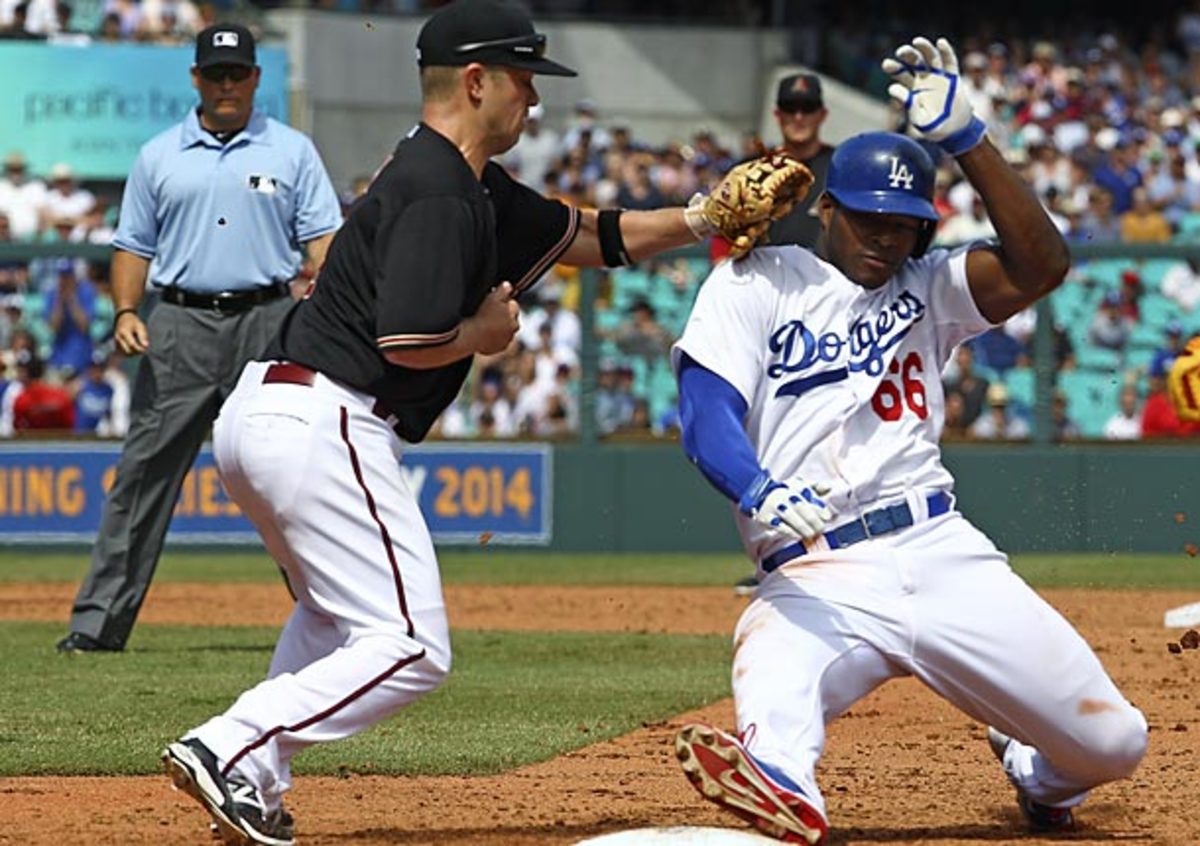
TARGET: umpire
(216,214)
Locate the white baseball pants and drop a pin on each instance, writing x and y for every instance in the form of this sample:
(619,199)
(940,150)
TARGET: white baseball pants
(937,601)
(318,474)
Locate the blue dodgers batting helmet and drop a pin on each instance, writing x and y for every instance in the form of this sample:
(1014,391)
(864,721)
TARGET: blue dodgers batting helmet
(885,173)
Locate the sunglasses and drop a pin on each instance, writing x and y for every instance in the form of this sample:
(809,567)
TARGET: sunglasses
(533,45)
(801,110)
(220,73)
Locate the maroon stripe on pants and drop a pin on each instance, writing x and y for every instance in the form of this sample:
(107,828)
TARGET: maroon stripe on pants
(383,532)
(316,718)
(392,670)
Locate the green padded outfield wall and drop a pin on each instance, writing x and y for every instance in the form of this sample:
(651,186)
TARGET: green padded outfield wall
(1095,497)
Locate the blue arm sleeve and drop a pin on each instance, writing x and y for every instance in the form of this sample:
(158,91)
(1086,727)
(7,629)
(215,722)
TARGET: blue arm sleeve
(714,437)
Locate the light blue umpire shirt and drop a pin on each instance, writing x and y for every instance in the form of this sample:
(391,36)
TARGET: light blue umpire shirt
(230,217)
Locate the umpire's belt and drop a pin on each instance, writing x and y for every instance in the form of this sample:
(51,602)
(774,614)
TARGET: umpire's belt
(223,302)
(290,373)
(881,521)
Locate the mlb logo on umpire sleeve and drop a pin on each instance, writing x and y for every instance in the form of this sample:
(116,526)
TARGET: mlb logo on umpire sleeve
(262,184)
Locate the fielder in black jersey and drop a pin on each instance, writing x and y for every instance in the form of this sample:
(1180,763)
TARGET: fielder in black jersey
(419,255)
(421,277)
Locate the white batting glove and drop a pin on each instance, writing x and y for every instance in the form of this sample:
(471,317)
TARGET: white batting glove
(793,507)
(929,87)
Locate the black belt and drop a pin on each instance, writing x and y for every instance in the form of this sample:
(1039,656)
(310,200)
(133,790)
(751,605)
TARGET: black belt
(224,302)
(881,521)
(290,373)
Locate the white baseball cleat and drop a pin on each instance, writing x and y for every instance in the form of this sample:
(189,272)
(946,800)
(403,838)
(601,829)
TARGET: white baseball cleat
(722,770)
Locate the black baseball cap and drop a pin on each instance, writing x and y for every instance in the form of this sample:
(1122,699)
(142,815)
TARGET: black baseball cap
(225,44)
(799,92)
(491,32)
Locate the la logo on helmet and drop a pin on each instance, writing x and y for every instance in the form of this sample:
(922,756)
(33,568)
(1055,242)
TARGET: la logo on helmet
(900,175)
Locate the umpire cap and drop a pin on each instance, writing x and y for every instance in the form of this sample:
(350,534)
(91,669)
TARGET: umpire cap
(490,32)
(225,44)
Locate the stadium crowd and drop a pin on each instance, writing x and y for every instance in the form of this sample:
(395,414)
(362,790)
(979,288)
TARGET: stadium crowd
(1108,135)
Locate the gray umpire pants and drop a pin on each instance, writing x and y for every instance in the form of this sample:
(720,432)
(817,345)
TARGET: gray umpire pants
(192,365)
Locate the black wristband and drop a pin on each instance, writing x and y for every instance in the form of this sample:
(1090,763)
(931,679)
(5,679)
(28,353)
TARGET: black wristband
(612,245)
(117,314)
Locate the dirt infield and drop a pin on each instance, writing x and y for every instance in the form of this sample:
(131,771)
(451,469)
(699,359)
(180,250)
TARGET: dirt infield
(901,768)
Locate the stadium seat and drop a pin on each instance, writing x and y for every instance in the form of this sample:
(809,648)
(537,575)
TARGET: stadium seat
(1021,384)
(1091,399)
(1157,311)
(1091,357)
(1189,228)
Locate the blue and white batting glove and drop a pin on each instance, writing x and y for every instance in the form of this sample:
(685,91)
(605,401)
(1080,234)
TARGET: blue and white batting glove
(793,507)
(927,84)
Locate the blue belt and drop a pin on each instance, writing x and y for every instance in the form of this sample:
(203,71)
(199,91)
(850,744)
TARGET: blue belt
(873,523)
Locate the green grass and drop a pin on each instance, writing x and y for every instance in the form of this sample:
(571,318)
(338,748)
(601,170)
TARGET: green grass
(496,566)
(512,698)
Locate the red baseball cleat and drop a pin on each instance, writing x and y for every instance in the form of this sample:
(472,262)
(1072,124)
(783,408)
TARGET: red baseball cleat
(722,770)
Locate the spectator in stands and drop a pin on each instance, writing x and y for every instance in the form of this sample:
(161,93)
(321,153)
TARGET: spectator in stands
(129,16)
(69,312)
(1109,329)
(491,402)
(954,426)
(1143,223)
(537,150)
(19,29)
(21,198)
(999,422)
(966,227)
(94,399)
(642,335)
(639,421)
(1063,427)
(638,191)
(1130,296)
(39,405)
(559,414)
(1100,223)
(1119,175)
(12,311)
(962,379)
(613,400)
(1165,356)
(110,28)
(583,127)
(1171,192)
(1159,418)
(1181,283)
(1126,424)
(169,21)
(65,199)
(566,333)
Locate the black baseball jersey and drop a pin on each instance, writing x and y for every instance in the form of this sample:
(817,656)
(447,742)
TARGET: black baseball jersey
(416,255)
(800,226)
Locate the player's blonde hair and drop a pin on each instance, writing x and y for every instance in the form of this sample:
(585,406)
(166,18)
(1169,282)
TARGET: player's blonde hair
(438,83)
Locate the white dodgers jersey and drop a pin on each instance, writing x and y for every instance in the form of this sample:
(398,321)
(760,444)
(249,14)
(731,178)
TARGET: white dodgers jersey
(843,383)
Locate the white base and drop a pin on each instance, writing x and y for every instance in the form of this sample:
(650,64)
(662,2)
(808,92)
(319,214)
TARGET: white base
(1183,616)
(679,836)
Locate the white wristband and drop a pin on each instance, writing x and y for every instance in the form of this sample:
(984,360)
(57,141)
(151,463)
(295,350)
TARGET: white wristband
(693,216)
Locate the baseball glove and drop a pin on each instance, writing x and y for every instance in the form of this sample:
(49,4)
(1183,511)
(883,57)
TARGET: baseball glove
(748,198)
(1183,382)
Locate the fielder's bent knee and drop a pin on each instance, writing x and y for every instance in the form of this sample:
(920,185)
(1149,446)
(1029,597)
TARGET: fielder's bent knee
(1118,747)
